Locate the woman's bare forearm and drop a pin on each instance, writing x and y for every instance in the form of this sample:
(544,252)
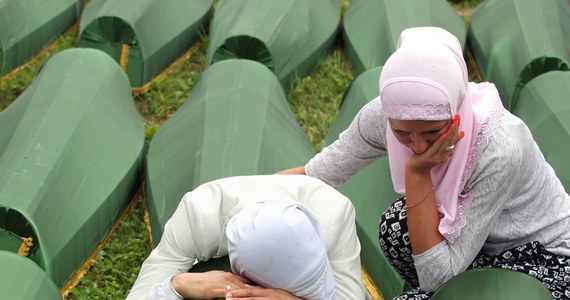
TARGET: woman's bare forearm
(297,170)
(423,217)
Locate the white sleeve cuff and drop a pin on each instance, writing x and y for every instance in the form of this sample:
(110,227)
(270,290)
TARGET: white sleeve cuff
(164,291)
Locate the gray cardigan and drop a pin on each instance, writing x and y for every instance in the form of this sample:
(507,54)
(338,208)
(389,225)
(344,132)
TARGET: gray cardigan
(517,197)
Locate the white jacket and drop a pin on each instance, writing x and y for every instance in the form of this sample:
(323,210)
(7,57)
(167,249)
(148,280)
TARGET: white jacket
(196,229)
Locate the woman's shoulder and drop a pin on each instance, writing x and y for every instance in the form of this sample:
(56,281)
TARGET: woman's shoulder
(372,118)
(509,148)
(506,138)
(373,111)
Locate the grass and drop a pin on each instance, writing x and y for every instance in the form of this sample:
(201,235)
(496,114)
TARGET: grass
(315,100)
(165,97)
(117,264)
(12,85)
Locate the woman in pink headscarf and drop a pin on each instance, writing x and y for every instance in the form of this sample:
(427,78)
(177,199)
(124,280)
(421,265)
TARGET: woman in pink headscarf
(477,190)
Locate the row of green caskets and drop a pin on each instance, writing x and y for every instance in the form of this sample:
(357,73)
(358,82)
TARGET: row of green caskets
(72,146)
(72,153)
(71,156)
(147,36)
(285,36)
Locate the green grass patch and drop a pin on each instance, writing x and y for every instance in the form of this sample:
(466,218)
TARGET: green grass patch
(164,98)
(316,99)
(119,262)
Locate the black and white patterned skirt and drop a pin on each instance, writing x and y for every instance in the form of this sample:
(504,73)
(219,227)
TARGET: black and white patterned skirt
(531,258)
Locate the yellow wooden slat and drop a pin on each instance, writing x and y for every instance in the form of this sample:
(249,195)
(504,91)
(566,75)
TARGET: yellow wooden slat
(371,286)
(24,249)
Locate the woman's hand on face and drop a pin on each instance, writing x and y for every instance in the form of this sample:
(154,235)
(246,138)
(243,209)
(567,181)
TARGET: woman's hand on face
(258,293)
(439,151)
(207,285)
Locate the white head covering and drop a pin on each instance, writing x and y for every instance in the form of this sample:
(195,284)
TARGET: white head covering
(426,79)
(279,244)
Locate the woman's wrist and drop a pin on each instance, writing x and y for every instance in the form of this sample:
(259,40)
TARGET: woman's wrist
(176,284)
(412,168)
(408,206)
(414,173)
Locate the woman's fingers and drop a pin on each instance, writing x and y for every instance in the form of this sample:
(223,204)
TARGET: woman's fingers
(241,280)
(232,283)
(440,151)
(207,285)
(451,137)
(456,135)
(234,280)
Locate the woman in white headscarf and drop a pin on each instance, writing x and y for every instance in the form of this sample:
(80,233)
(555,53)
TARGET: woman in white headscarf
(476,186)
(283,236)
(287,237)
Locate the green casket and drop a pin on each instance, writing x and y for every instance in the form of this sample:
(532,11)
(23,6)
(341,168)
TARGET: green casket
(144,36)
(236,121)
(370,190)
(287,36)
(371,28)
(22,279)
(514,41)
(492,283)
(28,26)
(543,105)
(71,155)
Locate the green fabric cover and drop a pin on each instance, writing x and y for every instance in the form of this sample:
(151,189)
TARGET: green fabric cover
(370,190)
(9,241)
(236,121)
(545,108)
(71,155)
(28,26)
(371,28)
(158,31)
(22,279)
(496,284)
(288,36)
(514,41)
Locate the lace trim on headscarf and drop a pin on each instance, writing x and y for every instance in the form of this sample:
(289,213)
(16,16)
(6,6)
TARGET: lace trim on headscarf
(426,112)
(313,282)
(479,146)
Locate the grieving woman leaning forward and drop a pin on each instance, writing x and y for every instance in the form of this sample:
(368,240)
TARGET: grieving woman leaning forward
(477,190)
(288,237)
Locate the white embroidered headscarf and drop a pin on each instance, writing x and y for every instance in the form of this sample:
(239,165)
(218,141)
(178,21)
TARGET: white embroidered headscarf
(279,244)
(426,79)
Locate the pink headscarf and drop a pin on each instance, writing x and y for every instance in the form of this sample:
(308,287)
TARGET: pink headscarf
(426,79)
